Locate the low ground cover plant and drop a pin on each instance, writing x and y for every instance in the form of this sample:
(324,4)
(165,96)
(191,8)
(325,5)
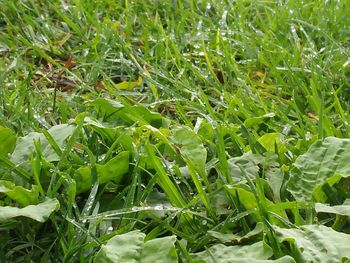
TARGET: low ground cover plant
(174,131)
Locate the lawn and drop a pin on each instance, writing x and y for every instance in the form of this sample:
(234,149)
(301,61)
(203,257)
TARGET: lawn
(174,131)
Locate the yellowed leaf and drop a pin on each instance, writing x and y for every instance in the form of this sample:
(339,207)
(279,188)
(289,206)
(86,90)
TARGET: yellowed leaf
(151,85)
(313,116)
(129,84)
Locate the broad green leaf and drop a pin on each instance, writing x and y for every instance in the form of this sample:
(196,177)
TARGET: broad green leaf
(274,176)
(158,199)
(195,155)
(106,130)
(191,146)
(159,250)
(246,197)
(122,248)
(132,114)
(220,202)
(164,180)
(131,248)
(316,243)
(25,145)
(106,106)
(119,113)
(285,259)
(269,140)
(226,254)
(205,130)
(251,164)
(337,209)
(248,200)
(111,133)
(7,141)
(258,120)
(20,194)
(229,237)
(325,162)
(114,170)
(39,212)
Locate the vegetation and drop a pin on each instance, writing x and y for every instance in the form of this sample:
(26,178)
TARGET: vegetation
(174,131)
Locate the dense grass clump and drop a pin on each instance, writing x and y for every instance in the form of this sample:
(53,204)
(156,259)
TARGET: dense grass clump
(174,131)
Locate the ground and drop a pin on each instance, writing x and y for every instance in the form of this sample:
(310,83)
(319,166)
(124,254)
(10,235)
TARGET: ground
(174,131)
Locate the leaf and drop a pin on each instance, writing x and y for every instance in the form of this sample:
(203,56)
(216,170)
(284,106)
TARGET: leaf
(152,87)
(285,259)
(249,163)
(164,180)
(325,162)
(205,130)
(269,140)
(248,200)
(106,106)
(274,176)
(7,141)
(228,254)
(229,237)
(108,131)
(220,202)
(190,146)
(25,145)
(129,84)
(131,248)
(246,197)
(39,212)
(165,245)
(114,170)
(132,114)
(337,209)
(118,113)
(158,199)
(258,120)
(19,194)
(111,132)
(121,248)
(316,243)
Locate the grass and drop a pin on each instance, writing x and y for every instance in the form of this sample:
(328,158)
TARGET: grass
(186,119)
